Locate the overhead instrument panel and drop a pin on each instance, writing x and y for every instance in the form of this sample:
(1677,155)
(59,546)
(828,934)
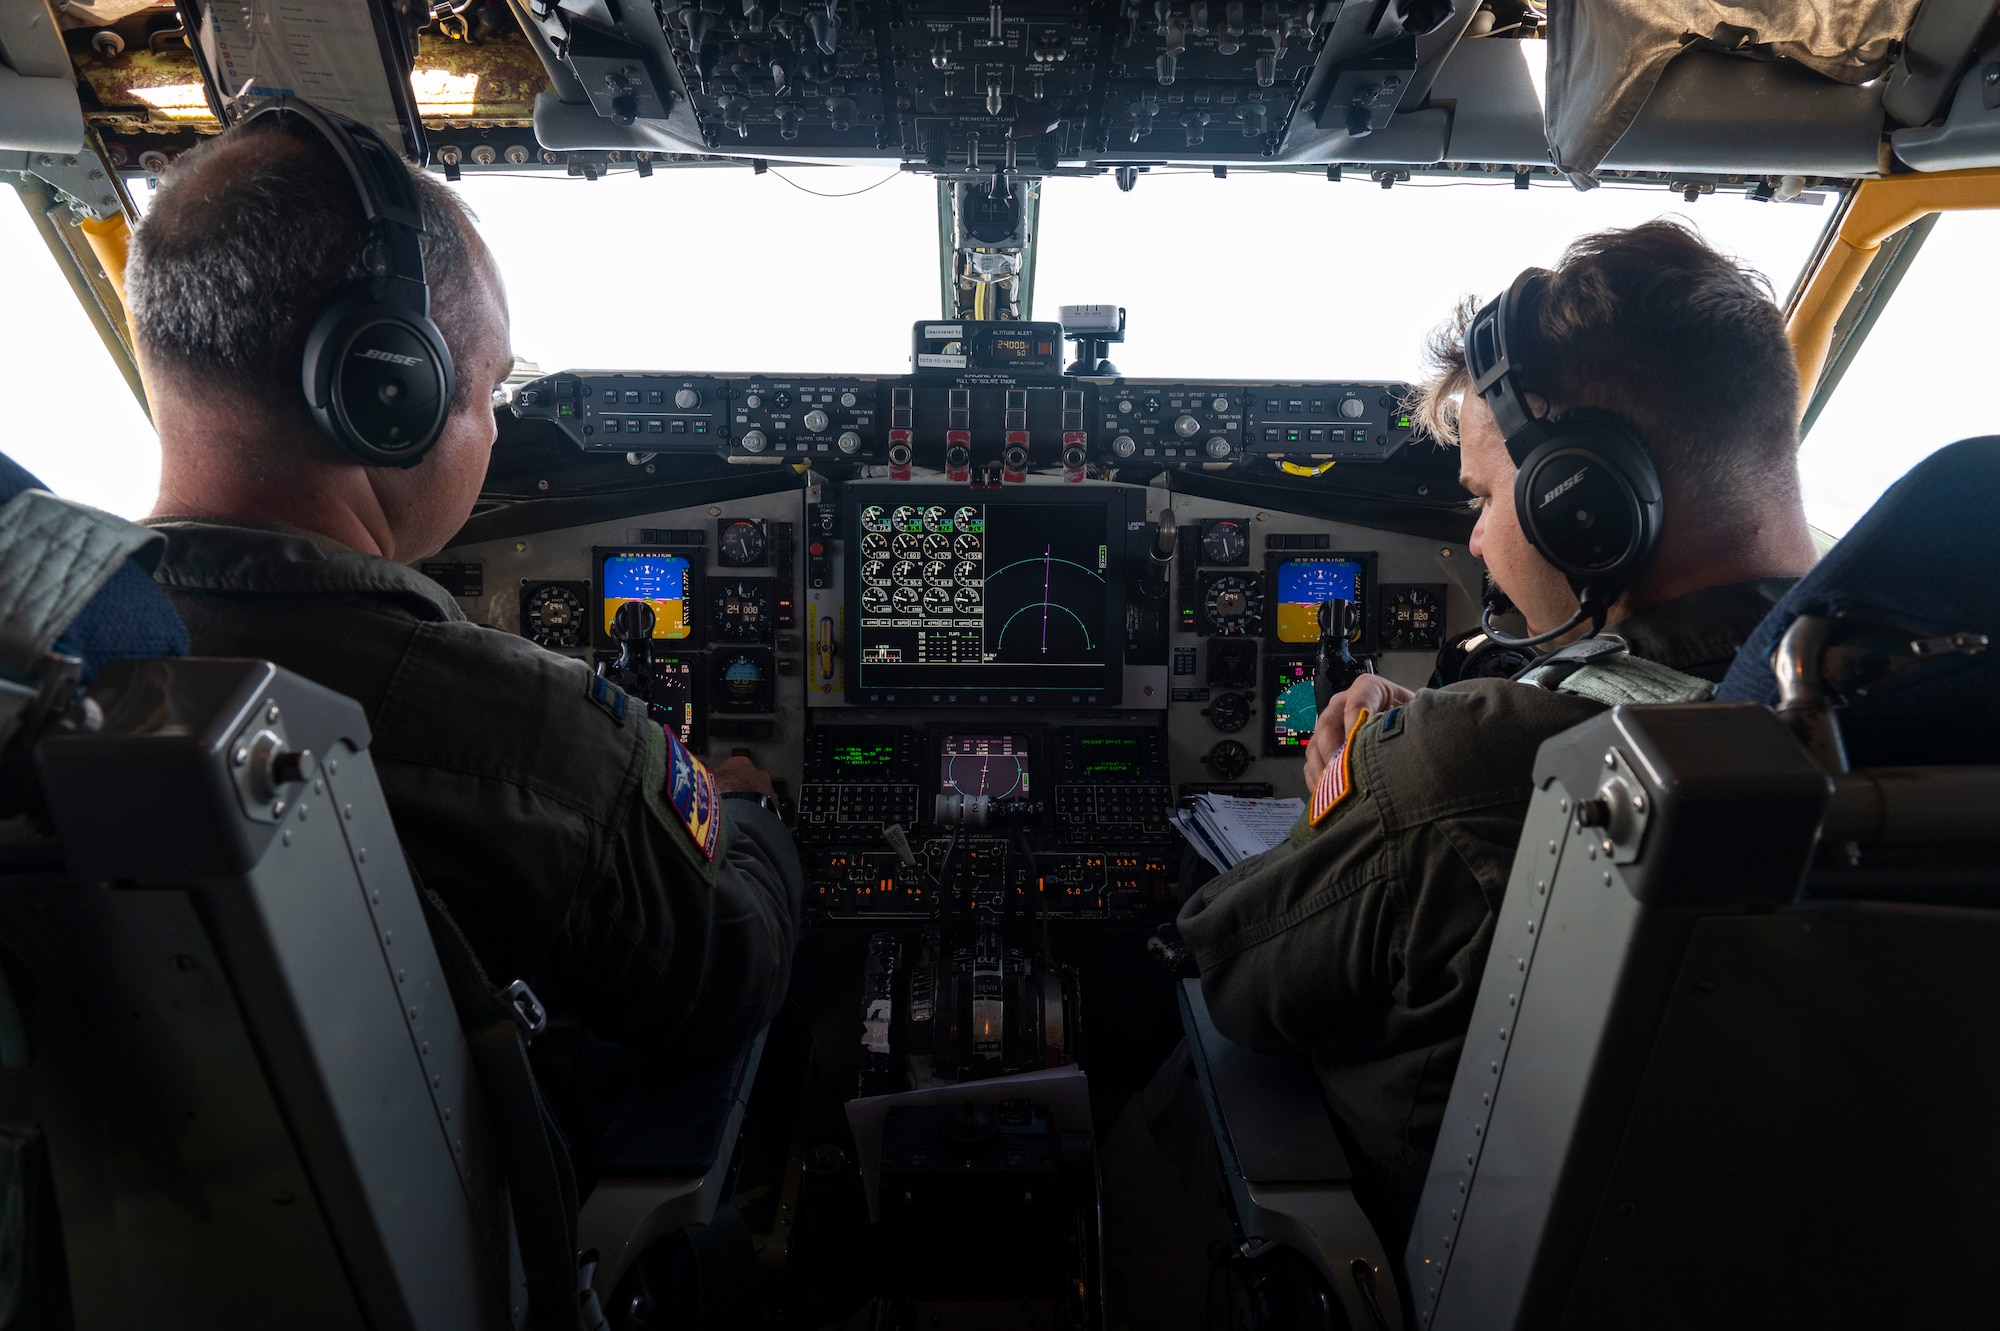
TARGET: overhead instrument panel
(1003,410)
(984,598)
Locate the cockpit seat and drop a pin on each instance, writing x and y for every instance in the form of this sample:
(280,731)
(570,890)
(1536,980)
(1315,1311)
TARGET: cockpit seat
(1920,563)
(1731,1059)
(234,1085)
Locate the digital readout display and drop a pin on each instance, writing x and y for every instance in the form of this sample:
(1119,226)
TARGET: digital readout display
(863,760)
(1108,757)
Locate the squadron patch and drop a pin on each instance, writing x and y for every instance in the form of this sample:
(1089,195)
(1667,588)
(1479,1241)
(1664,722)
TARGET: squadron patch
(1338,778)
(691,793)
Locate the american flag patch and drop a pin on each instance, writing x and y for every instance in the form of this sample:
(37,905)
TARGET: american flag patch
(1338,778)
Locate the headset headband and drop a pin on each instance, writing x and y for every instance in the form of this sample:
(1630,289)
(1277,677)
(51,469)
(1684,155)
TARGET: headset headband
(392,218)
(1489,358)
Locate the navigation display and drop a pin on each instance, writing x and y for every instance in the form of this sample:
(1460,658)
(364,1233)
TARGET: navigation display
(1300,586)
(1293,711)
(960,596)
(663,581)
(996,766)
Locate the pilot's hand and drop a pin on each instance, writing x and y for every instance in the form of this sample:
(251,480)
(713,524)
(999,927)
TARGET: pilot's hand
(739,773)
(1330,731)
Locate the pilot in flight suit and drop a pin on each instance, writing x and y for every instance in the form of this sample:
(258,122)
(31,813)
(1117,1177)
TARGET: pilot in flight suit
(1361,940)
(577,845)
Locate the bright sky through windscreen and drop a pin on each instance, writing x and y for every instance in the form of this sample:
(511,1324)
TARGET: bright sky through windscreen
(1254,276)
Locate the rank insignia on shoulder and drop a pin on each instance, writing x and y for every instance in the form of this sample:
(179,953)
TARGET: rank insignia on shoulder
(692,795)
(608,696)
(1338,778)
(1392,723)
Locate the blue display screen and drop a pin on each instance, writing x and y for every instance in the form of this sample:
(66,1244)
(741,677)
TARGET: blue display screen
(661,581)
(1303,584)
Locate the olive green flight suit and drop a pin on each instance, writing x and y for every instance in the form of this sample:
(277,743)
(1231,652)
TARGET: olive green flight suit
(533,809)
(1362,940)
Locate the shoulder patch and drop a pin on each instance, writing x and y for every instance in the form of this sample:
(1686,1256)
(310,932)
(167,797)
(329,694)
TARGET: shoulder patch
(607,696)
(691,794)
(1337,780)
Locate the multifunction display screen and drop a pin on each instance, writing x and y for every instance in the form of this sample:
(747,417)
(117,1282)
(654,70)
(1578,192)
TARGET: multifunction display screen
(862,758)
(996,766)
(661,581)
(1109,758)
(991,601)
(1293,710)
(1303,583)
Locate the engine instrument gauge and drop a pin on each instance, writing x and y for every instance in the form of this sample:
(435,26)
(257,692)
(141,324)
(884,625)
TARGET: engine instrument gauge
(740,543)
(937,570)
(1232,605)
(966,519)
(937,600)
(907,599)
(937,546)
(874,545)
(906,518)
(907,570)
(875,601)
(740,610)
(553,614)
(967,600)
(966,547)
(1225,541)
(907,546)
(934,517)
(875,518)
(875,573)
(966,571)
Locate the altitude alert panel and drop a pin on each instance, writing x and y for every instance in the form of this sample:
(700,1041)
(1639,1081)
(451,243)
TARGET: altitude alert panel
(972,597)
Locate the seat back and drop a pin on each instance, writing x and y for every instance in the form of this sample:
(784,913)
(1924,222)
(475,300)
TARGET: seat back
(232,1027)
(1711,1078)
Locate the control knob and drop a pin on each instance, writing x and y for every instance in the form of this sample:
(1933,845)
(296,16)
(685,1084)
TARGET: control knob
(1187,427)
(753,401)
(687,399)
(753,441)
(1220,404)
(815,420)
(1218,447)
(849,442)
(1123,446)
(848,399)
(1352,407)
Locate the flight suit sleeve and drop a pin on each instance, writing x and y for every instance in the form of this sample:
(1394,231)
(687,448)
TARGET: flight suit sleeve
(692,952)
(1367,934)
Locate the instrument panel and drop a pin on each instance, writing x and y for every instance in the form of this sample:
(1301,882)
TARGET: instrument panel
(758,625)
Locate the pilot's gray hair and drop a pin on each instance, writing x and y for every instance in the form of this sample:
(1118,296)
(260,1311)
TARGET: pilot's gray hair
(248,238)
(1683,342)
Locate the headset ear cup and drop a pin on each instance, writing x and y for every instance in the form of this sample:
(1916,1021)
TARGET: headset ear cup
(1588,499)
(379,381)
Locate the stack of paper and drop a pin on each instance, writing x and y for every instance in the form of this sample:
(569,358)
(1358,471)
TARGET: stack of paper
(1225,830)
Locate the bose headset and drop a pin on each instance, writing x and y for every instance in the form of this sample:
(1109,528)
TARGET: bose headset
(377,375)
(1586,492)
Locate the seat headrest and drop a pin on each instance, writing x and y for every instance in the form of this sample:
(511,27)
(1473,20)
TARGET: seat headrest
(1920,558)
(129,617)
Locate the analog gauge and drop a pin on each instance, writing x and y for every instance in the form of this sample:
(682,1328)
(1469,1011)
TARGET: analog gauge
(740,681)
(740,544)
(967,571)
(934,517)
(1229,759)
(1412,618)
(907,570)
(937,600)
(1224,541)
(1229,713)
(907,599)
(875,600)
(965,518)
(906,518)
(907,546)
(1233,605)
(740,610)
(937,570)
(874,518)
(937,546)
(875,573)
(967,600)
(874,545)
(966,547)
(552,614)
